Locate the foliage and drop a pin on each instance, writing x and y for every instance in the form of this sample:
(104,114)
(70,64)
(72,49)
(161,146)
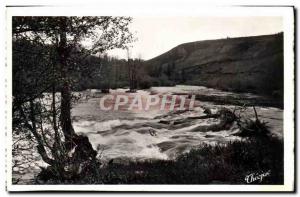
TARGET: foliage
(208,164)
(249,127)
(47,53)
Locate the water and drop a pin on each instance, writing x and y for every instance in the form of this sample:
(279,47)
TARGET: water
(140,134)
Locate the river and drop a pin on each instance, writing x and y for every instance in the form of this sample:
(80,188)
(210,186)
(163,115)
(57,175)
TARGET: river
(145,134)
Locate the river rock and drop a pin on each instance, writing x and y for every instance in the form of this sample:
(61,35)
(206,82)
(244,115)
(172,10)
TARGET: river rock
(16,169)
(24,165)
(32,164)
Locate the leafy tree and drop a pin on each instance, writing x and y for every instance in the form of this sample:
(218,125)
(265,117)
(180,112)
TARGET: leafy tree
(46,51)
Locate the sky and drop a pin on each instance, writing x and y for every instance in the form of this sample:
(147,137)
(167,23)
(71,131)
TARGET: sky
(157,35)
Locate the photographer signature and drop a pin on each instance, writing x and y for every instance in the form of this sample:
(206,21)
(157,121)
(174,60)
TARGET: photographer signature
(250,178)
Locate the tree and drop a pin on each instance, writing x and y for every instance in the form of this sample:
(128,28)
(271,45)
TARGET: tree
(64,43)
(132,72)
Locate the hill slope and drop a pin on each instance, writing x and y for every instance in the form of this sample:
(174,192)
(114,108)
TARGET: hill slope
(246,64)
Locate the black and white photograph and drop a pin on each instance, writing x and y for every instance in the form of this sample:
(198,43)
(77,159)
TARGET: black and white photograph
(166,102)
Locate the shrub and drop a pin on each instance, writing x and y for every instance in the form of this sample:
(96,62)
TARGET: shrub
(145,82)
(219,164)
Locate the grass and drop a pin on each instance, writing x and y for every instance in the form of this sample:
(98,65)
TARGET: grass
(209,164)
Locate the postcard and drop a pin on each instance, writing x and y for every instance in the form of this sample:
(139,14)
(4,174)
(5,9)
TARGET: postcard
(192,101)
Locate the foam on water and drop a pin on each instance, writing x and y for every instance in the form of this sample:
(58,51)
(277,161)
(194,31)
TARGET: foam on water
(139,134)
(126,143)
(136,141)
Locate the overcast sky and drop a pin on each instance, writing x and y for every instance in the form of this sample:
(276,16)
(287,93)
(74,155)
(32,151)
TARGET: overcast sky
(158,35)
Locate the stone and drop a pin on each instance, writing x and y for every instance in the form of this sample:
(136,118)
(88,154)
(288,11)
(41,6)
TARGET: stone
(16,169)
(32,164)
(24,165)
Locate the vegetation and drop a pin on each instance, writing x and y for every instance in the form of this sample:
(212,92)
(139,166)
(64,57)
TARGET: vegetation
(223,163)
(47,52)
(235,64)
(50,61)
(226,163)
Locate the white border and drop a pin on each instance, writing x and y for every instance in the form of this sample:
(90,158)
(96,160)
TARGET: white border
(154,10)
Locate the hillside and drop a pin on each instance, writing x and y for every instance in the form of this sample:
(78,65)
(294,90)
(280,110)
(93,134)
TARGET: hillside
(245,64)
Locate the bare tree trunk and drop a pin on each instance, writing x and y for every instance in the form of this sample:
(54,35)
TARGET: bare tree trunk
(129,74)
(134,73)
(54,114)
(65,116)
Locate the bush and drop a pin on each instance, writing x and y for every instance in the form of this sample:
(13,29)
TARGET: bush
(219,164)
(145,82)
(164,81)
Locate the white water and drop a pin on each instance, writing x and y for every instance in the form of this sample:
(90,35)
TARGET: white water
(139,135)
(127,134)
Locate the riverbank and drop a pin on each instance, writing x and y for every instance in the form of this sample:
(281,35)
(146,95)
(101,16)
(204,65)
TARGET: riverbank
(153,137)
(250,161)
